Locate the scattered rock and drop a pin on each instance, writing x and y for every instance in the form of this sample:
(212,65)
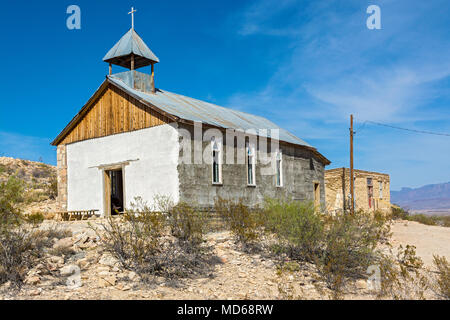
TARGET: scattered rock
(83,263)
(33,280)
(68,270)
(104,274)
(56,260)
(102,268)
(35,292)
(78,256)
(108,260)
(107,281)
(361,284)
(63,243)
(123,287)
(132,276)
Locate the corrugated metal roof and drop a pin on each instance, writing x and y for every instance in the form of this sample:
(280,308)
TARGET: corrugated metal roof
(130,43)
(196,110)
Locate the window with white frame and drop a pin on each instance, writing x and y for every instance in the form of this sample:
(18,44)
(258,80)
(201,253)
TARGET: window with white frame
(279,168)
(216,161)
(380,183)
(251,165)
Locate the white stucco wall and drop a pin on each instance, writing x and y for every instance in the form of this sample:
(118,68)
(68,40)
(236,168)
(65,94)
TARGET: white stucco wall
(156,151)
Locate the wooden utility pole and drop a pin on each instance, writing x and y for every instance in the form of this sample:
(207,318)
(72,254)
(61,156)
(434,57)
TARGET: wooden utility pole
(152,79)
(352,187)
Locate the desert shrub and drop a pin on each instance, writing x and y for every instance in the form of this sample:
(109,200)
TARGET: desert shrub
(297,225)
(349,247)
(186,223)
(65,252)
(286,289)
(16,256)
(422,218)
(6,169)
(441,285)
(402,277)
(21,174)
(398,213)
(11,196)
(55,232)
(141,240)
(35,218)
(20,250)
(444,221)
(431,220)
(24,162)
(245,223)
(44,238)
(21,247)
(41,172)
(52,187)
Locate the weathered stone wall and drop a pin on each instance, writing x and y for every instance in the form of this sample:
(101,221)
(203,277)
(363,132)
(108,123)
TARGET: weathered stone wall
(61,172)
(300,170)
(337,184)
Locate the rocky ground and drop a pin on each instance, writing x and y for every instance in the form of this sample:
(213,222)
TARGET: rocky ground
(90,273)
(238,275)
(39,181)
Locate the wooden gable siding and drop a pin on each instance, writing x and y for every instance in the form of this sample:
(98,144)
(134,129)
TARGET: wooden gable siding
(114,112)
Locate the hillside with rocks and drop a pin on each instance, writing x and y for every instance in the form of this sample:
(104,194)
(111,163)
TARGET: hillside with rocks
(39,181)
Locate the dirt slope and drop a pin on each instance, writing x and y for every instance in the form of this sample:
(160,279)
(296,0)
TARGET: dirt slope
(428,240)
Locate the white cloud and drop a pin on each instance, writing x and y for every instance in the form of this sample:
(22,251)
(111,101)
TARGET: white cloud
(338,67)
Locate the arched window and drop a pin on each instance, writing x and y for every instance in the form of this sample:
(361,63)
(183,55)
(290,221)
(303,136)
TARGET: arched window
(216,161)
(279,168)
(251,165)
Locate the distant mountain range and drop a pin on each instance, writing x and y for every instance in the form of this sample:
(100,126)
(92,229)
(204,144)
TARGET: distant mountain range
(429,199)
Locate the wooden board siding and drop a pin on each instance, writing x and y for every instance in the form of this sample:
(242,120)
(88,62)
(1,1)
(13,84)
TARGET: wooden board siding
(113,112)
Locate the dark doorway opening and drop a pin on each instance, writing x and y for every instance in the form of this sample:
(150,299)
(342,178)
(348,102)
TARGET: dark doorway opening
(114,191)
(317,195)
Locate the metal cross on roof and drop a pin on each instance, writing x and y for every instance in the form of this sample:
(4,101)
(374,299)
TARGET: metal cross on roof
(132,17)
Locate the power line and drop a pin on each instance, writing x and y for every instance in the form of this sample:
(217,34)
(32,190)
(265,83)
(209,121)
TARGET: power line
(406,129)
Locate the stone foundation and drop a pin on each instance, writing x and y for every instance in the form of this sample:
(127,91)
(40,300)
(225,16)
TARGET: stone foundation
(61,171)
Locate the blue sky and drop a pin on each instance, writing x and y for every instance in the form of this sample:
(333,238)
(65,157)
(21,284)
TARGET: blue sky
(306,65)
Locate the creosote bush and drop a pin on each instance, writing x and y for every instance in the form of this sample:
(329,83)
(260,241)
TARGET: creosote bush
(297,225)
(35,218)
(11,197)
(350,247)
(186,223)
(245,223)
(22,246)
(402,277)
(52,187)
(441,285)
(398,213)
(341,246)
(164,240)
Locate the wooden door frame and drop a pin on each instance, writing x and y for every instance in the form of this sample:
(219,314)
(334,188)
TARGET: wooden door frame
(107,187)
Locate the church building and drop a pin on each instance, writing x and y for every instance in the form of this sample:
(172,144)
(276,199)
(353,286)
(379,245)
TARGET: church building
(132,139)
